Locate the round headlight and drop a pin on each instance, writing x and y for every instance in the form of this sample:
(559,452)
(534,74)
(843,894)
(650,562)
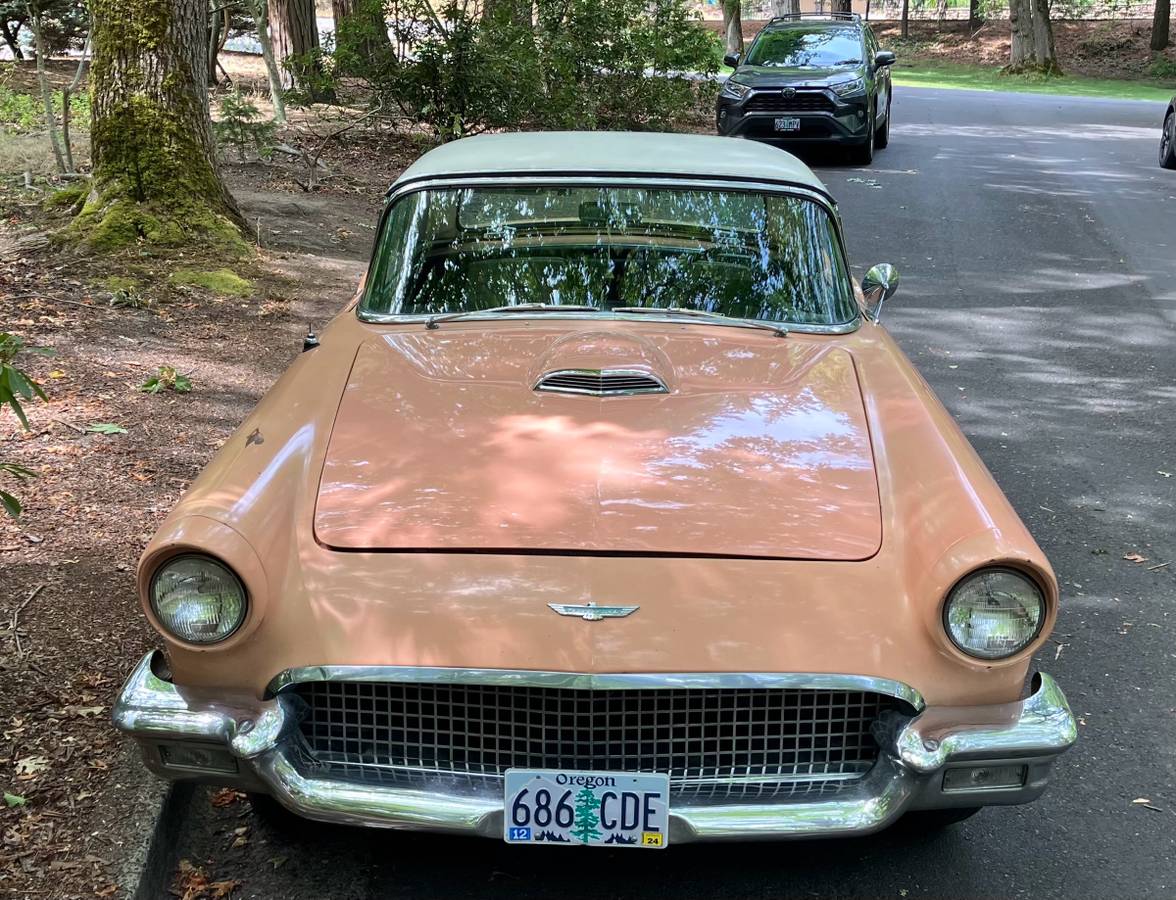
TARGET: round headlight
(994,613)
(198,599)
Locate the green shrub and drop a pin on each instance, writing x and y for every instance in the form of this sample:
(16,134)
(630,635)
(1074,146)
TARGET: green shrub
(15,388)
(1162,68)
(242,127)
(24,112)
(474,65)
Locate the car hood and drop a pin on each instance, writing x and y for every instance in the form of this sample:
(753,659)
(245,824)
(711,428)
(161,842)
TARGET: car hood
(775,76)
(759,447)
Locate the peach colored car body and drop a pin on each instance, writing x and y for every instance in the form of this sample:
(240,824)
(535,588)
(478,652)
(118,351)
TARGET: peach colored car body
(403,498)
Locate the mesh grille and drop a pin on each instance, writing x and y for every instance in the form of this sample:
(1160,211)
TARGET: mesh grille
(801,102)
(600,383)
(714,743)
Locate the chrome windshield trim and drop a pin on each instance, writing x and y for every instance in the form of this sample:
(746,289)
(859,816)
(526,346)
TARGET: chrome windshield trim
(746,324)
(600,682)
(399,190)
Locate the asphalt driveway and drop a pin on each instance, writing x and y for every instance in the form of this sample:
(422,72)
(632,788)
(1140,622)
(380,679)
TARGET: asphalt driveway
(1036,239)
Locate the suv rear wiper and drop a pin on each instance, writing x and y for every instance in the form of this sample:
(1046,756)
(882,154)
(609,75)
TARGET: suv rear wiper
(434,321)
(717,318)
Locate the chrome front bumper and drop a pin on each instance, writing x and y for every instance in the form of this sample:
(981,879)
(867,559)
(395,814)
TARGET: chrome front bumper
(253,745)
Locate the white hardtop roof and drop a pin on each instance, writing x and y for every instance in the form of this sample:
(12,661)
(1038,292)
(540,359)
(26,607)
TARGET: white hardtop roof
(620,153)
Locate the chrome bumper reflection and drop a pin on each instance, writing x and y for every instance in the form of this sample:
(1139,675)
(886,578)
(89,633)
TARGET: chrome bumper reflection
(254,745)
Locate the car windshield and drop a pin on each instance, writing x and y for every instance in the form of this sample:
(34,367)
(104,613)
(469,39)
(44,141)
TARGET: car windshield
(736,253)
(798,48)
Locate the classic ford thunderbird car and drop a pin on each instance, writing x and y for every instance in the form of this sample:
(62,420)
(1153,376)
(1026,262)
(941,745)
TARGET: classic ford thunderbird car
(606,513)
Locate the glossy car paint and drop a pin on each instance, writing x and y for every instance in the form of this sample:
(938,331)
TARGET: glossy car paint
(941,516)
(403,497)
(442,442)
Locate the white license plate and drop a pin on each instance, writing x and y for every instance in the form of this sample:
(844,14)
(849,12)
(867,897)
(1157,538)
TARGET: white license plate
(614,809)
(788,123)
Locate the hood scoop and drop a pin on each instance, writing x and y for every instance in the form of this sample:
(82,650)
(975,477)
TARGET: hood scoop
(601,382)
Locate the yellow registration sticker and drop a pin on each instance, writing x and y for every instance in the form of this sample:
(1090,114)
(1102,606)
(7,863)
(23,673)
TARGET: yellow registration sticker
(651,838)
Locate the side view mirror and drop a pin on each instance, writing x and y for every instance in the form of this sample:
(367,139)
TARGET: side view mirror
(732,60)
(878,286)
(884,58)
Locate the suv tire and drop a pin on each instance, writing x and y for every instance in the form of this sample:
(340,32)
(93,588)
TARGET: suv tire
(1168,141)
(882,133)
(863,153)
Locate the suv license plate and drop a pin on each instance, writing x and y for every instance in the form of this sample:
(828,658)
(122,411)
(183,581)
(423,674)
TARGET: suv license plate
(788,123)
(597,809)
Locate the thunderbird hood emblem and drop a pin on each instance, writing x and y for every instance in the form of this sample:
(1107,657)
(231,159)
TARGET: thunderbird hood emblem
(592,612)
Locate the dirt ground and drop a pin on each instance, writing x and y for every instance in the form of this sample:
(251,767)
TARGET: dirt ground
(1101,49)
(79,805)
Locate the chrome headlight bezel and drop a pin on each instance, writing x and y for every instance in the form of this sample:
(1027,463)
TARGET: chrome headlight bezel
(735,90)
(167,622)
(850,88)
(1033,590)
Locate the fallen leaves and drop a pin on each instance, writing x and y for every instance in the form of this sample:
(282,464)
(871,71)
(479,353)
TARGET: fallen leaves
(31,766)
(1134,557)
(11,800)
(105,428)
(192,884)
(226,797)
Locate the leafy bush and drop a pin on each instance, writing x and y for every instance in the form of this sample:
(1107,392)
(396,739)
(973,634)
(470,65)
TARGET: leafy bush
(63,24)
(167,378)
(467,66)
(1162,68)
(24,112)
(15,387)
(242,127)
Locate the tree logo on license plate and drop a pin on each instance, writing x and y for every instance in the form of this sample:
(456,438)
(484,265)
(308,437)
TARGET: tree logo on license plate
(586,820)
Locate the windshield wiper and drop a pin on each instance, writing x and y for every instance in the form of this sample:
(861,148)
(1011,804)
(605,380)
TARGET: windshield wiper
(434,321)
(717,318)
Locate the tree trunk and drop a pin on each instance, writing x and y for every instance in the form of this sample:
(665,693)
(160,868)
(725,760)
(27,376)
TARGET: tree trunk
(1045,54)
(361,27)
(46,93)
(11,38)
(906,17)
(257,9)
(294,32)
(785,7)
(1022,51)
(733,26)
(1161,19)
(843,6)
(155,176)
(974,16)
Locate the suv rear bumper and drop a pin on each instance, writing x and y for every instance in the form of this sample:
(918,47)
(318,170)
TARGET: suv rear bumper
(255,745)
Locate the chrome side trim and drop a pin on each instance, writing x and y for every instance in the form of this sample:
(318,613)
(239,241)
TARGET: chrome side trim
(599,682)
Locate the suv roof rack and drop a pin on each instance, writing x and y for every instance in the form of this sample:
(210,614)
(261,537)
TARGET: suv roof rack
(793,17)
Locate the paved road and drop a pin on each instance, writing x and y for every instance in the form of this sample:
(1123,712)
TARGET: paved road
(1037,242)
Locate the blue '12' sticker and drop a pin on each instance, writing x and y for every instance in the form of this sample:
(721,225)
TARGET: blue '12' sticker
(520,834)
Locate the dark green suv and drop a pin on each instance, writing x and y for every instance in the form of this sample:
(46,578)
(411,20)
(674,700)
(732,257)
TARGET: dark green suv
(811,79)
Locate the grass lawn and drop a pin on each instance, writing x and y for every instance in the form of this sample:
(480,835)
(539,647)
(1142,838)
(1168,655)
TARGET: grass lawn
(982,78)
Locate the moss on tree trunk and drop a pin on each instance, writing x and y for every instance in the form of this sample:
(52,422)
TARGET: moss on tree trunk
(155,175)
